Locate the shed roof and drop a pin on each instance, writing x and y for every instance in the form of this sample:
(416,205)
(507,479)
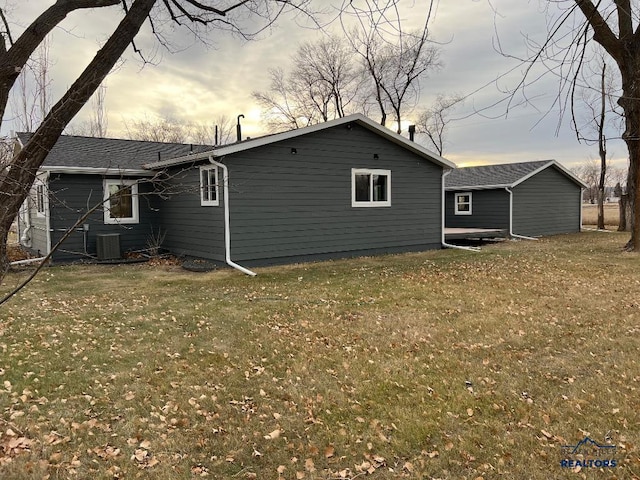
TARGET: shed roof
(98,155)
(507,175)
(220,151)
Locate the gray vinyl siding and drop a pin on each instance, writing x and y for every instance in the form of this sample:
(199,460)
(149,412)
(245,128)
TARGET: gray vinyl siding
(191,229)
(489,209)
(70,198)
(546,204)
(292,206)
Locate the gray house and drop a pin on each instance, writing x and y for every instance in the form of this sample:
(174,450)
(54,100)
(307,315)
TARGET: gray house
(80,173)
(519,199)
(347,187)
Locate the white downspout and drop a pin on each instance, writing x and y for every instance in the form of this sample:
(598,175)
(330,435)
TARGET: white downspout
(511,234)
(25,235)
(227,223)
(581,195)
(443,216)
(47,211)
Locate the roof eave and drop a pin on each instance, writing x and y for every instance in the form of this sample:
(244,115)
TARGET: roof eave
(97,171)
(559,166)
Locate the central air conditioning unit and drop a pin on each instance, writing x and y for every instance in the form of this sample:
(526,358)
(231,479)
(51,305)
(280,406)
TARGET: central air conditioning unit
(108,246)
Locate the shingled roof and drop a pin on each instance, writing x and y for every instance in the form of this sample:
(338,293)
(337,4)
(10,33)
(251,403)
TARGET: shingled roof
(500,176)
(110,153)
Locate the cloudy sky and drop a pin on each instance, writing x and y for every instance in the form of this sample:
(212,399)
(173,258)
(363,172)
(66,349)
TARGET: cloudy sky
(198,83)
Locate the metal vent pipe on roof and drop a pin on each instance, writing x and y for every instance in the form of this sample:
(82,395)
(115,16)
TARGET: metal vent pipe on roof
(239,128)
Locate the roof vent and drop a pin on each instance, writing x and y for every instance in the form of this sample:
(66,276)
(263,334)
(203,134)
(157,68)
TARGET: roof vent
(239,128)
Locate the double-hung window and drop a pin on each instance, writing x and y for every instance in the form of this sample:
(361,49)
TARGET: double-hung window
(120,201)
(209,186)
(370,188)
(463,203)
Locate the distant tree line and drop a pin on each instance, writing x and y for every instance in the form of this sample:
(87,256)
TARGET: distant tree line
(367,69)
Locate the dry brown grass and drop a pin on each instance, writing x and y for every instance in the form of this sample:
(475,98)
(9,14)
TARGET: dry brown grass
(611,214)
(445,364)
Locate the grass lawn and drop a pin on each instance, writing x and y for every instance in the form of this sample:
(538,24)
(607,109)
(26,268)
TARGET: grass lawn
(444,364)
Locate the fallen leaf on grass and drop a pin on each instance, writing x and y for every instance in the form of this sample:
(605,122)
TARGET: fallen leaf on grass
(107,452)
(309,465)
(16,445)
(275,434)
(329,451)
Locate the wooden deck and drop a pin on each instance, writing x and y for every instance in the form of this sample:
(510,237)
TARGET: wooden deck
(468,233)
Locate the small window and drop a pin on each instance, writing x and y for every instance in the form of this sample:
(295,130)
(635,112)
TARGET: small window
(209,186)
(463,204)
(370,188)
(120,201)
(40,200)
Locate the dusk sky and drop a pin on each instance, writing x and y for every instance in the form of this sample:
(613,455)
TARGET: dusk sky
(197,83)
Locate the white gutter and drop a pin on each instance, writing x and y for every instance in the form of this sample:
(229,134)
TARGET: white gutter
(443,216)
(511,234)
(227,228)
(113,171)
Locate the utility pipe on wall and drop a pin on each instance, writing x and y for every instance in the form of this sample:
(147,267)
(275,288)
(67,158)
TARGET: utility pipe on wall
(227,223)
(511,234)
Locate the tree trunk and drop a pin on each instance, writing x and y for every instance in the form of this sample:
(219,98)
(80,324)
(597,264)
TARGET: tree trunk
(625,214)
(4,260)
(630,103)
(18,178)
(602,149)
(633,189)
(601,209)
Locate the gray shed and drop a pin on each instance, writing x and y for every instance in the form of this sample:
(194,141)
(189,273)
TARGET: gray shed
(522,199)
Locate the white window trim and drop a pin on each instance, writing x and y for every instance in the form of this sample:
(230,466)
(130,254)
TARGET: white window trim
(134,202)
(204,202)
(455,203)
(39,184)
(371,203)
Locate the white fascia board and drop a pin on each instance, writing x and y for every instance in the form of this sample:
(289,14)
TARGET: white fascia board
(477,187)
(98,171)
(194,157)
(278,137)
(551,163)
